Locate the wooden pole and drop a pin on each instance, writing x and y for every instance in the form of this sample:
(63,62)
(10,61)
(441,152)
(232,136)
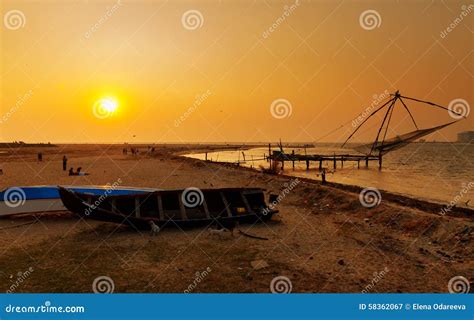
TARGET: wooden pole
(307,164)
(320,164)
(366,161)
(358,164)
(380,161)
(206,156)
(293,158)
(334,161)
(270,156)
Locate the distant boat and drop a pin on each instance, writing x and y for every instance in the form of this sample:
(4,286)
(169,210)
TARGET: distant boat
(172,207)
(38,199)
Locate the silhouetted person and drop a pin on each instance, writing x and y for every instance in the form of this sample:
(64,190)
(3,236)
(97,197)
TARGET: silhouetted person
(40,156)
(71,172)
(64,163)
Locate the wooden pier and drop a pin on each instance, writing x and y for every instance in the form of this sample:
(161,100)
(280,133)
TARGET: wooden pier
(278,157)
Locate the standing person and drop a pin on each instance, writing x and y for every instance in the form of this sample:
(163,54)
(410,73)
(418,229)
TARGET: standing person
(64,163)
(40,156)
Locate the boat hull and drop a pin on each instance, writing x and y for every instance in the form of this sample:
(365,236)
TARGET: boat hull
(42,199)
(221,206)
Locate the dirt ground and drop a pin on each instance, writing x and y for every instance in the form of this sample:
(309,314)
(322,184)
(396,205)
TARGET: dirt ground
(323,239)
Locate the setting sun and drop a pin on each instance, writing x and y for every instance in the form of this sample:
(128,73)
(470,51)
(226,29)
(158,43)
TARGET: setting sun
(104,107)
(108,104)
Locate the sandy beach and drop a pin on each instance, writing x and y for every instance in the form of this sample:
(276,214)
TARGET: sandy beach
(323,239)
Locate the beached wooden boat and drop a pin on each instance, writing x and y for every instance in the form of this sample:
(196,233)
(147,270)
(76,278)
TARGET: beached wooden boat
(185,208)
(40,199)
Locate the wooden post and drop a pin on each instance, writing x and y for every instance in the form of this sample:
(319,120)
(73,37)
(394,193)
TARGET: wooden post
(358,163)
(380,161)
(293,158)
(366,161)
(206,156)
(342,161)
(307,164)
(320,164)
(334,160)
(269,155)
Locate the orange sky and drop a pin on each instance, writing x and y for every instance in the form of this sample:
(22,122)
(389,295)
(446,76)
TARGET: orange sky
(214,76)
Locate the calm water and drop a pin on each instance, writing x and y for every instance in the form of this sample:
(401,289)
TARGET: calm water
(432,171)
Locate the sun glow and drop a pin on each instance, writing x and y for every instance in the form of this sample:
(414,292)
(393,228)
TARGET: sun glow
(109,104)
(104,107)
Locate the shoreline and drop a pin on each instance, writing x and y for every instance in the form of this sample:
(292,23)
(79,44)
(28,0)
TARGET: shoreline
(402,199)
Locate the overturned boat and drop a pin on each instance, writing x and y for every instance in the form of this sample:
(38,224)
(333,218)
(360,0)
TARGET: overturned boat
(184,208)
(41,199)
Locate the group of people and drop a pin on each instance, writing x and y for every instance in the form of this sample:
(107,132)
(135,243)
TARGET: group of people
(78,171)
(135,151)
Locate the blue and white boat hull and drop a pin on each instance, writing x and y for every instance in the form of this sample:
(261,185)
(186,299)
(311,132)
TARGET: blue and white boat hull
(40,199)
